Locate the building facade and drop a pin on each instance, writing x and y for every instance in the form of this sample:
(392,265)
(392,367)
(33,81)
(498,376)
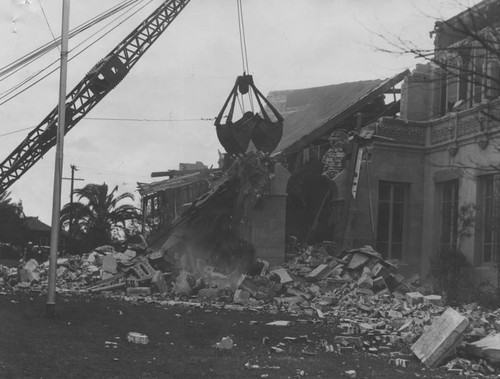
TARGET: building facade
(435,176)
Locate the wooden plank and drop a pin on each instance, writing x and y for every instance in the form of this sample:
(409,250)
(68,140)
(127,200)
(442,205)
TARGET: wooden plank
(442,337)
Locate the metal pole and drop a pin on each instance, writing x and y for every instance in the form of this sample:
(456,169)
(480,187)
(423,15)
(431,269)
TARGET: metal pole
(73,169)
(56,203)
(71,239)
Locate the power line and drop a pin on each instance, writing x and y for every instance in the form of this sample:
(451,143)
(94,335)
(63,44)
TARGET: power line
(8,92)
(47,22)
(123,119)
(16,131)
(151,119)
(21,62)
(111,173)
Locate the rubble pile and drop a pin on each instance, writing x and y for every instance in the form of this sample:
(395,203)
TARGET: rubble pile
(363,296)
(74,274)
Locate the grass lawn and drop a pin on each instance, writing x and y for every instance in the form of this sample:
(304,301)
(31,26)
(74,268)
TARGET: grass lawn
(73,344)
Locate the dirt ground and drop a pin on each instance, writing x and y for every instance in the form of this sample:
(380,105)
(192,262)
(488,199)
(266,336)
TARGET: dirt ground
(182,339)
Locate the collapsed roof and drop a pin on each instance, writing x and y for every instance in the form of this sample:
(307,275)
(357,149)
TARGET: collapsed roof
(312,112)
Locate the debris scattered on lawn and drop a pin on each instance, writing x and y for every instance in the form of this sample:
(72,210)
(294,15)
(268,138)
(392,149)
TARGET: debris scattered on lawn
(137,338)
(108,344)
(225,344)
(399,362)
(373,307)
(280,323)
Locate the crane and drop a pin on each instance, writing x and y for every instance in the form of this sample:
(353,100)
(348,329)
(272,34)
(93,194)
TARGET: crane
(96,84)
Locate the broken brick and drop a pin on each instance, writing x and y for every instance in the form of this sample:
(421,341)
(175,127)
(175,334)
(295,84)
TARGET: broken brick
(357,260)
(319,272)
(414,298)
(433,299)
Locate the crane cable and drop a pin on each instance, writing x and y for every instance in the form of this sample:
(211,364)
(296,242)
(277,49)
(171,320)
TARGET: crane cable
(244,52)
(243,41)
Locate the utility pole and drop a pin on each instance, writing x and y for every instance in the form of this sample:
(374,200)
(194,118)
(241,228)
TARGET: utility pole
(56,201)
(73,169)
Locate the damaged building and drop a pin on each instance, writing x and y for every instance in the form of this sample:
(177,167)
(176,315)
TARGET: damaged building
(418,165)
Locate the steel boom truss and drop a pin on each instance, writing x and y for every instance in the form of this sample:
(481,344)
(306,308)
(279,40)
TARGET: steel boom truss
(98,82)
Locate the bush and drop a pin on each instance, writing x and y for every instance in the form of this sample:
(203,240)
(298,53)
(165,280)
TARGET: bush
(8,251)
(487,295)
(449,271)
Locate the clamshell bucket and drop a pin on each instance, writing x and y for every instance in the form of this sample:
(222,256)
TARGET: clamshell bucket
(235,137)
(261,130)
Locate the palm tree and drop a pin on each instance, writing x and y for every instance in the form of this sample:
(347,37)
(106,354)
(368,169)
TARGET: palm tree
(96,217)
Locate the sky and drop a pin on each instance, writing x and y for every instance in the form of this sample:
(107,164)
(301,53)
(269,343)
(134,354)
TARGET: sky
(186,76)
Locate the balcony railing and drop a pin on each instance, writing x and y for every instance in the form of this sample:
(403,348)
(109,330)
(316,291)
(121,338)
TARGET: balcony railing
(481,120)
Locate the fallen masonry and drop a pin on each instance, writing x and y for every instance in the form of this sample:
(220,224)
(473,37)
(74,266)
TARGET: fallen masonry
(372,307)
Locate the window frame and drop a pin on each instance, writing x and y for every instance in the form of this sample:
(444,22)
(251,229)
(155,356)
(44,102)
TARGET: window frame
(390,243)
(486,181)
(452,242)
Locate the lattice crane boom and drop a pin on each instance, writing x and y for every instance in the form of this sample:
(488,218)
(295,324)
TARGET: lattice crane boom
(98,82)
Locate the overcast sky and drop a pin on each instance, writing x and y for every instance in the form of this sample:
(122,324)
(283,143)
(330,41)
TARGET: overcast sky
(187,74)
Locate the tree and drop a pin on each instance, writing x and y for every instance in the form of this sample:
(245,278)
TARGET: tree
(465,60)
(12,220)
(97,218)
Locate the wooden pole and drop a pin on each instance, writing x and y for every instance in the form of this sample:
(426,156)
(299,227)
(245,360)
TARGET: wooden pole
(56,203)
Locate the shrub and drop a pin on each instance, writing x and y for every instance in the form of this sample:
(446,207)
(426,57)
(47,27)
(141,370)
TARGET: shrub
(449,271)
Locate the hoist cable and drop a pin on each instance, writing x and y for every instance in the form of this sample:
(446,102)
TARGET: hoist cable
(241,37)
(244,37)
(243,49)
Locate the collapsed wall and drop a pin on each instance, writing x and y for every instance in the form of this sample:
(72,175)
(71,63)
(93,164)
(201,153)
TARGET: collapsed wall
(227,229)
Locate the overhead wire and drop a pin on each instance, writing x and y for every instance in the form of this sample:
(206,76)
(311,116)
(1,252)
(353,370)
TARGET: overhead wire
(8,92)
(102,171)
(148,120)
(21,62)
(37,53)
(26,80)
(15,131)
(47,22)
